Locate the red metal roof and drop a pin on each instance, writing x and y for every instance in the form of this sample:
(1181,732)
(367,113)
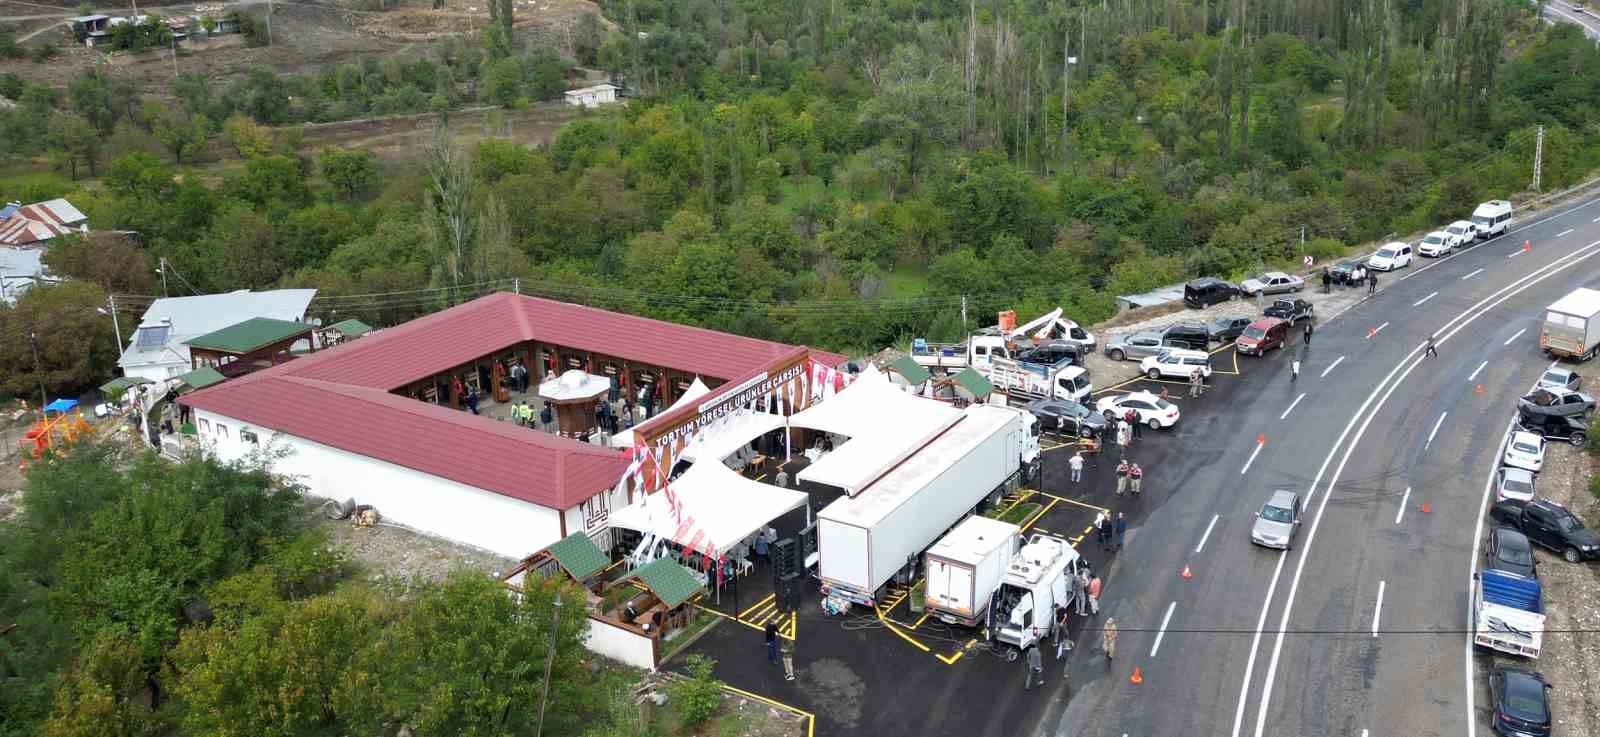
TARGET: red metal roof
(341,397)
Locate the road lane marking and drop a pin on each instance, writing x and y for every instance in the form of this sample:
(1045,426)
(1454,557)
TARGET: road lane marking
(1473,274)
(1514,254)
(1435,431)
(1402,369)
(1564,233)
(1377,330)
(1401,512)
(1476,370)
(1378,611)
(1419,302)
(1292,405)
(1325,371)
(1596,220)
(1514,337)
(1207,535)
(1163,631)
(1253,455)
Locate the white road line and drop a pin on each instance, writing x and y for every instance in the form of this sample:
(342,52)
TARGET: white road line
(1514,337)
(1377,611)
(1435,431)
(1419,302)
(1402,369)
(1163,631)
(1514,254)
(1377,330)
(1253,455)
(1564,233)
(1363,733)
(1325,371)
(1292,405)
(1403,499)
(1473,274)
(1476,370)
(1207,535)
(1596,220)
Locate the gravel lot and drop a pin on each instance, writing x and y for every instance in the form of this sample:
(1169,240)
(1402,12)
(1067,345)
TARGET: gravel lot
(392,551)
(1571,655)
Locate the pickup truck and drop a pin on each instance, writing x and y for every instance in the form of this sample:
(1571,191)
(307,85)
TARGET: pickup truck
(1507,613)
(1551,525)
(1026,382)
(1292,310)
(976,352)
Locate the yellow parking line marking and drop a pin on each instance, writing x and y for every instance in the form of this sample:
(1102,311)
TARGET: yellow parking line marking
(1114,387)
(953,658)
(758,604)
(1075,501)
(761,614)
(1225,346)
(1036,515)
(1076,540)
(811,719)
(903,636)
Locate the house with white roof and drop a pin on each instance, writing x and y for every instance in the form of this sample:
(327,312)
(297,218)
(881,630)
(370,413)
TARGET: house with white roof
(594,96)
(20,270)
(156,351)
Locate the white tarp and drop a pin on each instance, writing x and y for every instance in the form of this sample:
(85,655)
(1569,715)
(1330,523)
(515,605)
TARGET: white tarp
(730,433)
(871,404)
(720,507)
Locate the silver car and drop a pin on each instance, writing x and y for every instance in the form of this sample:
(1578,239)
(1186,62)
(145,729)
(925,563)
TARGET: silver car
(1135,346)
(1272,282)
(1278,521)
(1560,378)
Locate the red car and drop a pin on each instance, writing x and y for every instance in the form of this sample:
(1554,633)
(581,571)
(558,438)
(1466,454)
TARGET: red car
(1263,335)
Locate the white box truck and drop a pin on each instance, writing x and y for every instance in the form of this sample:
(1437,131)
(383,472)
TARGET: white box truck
(864,540)
(1572,325)
(963,569)
(1023,612)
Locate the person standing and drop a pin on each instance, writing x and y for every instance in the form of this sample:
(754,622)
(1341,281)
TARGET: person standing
(1094,595)
(1135,476)
(1076,464)
(1327,280)
(546,416)
(1063,642)
(1122,529)
(1122,477)
(1035,668)
(1124,437)
(787,647)
(1294,369)
(1372,282)
(1108,638)
(1080,591)
(1102,529)
(1432,352)
(1133,421)
(1308,333)
(1195,383)
(771,631)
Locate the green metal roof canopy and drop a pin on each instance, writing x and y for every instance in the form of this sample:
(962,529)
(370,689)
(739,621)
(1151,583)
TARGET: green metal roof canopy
(350,328)
(122,383)
(909,370)
(974,383)
(244,337)
(579,555)
(668,580)
(202,377)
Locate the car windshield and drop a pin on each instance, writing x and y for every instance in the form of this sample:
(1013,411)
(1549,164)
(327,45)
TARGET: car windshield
(1556,377)
(1479,219)
(1254,333)
(1385,253)
(1522,447)
(1525,699)
(1276,514)
(1433,239)
(1515,483)
(1163,404)
(1514,552)
(1283,304)
(1457,230)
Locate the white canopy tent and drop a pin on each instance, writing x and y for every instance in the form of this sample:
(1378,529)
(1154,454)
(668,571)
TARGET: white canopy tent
(730,433)
(885,425)
(720,508)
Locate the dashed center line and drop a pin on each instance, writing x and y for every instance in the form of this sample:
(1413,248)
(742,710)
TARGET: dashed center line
(1564,233)
(1325,371)
(1377,330)
(1476,370)
(1514,254)
(1419,302)
(1514,337)
(1473,274)
(1402,511)
(1163,631)
(1207,535)
(1377,611)
(1253,455)
(1435,431)
(1292,405)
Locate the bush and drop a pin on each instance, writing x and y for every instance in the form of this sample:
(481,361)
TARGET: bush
(1592,439)
(1594,485)
(8,45)
(698,697)
(43,52)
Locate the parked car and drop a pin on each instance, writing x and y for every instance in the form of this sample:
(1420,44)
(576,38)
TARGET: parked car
(1520,702)
(1509,550)
(1067,418)
(1176,363)
(1050,353)
(1352,272)
(1492,218)
(1148,409)
(1550,525)
(1561,402)
(1135,346)
(1514,483)
(1524,450)
(1208,290)
(1192,335)
(1464,231)
(1293,310)
(1224,329)
(1555,427)
(1393,256)
(1263,335)
(1278,521)
(1560,378)
(1272,282)
(1436,244)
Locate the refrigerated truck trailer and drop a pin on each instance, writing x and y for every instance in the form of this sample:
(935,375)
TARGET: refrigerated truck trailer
(1572,325)
(863,540)
(964,568)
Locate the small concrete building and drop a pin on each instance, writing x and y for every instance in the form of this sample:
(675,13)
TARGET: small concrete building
(594,96)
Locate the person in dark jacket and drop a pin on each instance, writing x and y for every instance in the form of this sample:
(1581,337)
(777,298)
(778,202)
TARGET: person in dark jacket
(1372,282)
(1122,529)
(1308,333)
(772,642)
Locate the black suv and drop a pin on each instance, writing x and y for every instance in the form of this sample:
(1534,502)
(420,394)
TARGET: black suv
(1551,427)
(1347,272)
(1208,291)
(1224,329)
(1292,310)
(1551,525)
(1053,352)
(1195,335)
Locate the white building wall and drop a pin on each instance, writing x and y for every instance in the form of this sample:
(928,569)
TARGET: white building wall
(434,505)
(156,372)
(621,644)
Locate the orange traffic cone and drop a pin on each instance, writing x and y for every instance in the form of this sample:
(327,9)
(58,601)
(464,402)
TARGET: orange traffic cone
(1425,508)
(1371,332)
(1186,572)
(1136,678)
(1478,390)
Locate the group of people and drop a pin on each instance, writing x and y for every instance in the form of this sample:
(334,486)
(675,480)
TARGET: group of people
(1110,532)
(522,413)
(1085,602)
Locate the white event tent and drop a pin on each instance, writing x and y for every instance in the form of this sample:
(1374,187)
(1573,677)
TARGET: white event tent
(719,508)
(885,425)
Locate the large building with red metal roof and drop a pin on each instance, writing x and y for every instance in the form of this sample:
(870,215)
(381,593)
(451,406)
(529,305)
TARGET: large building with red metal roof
(383,419)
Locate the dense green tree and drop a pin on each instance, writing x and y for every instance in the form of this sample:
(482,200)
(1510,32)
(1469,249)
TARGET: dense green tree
(351,171)
(73,342)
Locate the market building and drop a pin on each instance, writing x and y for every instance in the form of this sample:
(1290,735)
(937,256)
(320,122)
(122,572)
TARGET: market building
(413,419)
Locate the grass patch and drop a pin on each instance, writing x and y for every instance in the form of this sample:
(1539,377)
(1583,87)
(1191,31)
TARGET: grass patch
(907,281)
(1015,514)
(684,635)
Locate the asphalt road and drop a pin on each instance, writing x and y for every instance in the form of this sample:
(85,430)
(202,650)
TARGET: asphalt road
(1266,643)
(1562,12)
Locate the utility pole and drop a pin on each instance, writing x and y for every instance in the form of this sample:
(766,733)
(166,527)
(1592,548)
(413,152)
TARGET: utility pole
(115,326)
(555,624)
(164,276)
(963,313)
(38,373)
(269,22)
(1538,157)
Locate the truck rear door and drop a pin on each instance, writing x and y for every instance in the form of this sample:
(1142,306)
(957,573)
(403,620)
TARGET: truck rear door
(950,587)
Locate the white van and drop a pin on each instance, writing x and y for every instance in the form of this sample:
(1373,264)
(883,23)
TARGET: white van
(1176,363)
(1492,218)
(1396,255)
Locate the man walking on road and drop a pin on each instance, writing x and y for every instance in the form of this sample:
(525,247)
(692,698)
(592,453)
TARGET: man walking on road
(1294,369)
(787,647)
(1308,333)
(1122,477)
(1108,639)
(1372,282)
(1076,464)
(1122,529)
(1094,595)
(1082,587)
(1078,595)
(1035,668)
(1135,475)
(1102,529)
(1431,350)
(1196,382)
(772,642)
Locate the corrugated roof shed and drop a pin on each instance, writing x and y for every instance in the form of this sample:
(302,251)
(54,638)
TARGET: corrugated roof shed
(668,580)
(243,337)
(350,328)
(579,555)
(201,378)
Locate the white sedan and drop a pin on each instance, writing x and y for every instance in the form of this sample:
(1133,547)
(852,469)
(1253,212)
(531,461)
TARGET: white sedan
(1525,450)
(1148,408)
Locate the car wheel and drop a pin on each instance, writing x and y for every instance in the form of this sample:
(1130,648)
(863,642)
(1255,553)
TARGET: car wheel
(1154,424)
(1578,438)
(1011,655)
(1572,556)
(1299,289)
(1116,355)
(1153,374)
